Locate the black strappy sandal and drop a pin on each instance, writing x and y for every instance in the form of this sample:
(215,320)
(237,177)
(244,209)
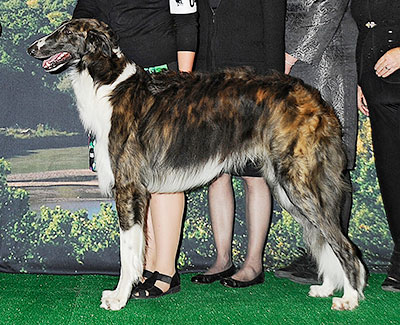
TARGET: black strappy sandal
(148,290)
(146,274)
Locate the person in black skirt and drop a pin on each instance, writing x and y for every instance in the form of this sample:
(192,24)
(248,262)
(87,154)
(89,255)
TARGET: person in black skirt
(231,34)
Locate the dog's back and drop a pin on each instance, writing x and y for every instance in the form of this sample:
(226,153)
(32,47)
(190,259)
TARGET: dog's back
(197,116)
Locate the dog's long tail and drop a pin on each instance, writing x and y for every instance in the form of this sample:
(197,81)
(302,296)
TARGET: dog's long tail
(309,163)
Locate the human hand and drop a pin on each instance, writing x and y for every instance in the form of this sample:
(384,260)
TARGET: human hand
(388,63)
(185,61)
(361,102)
(289,62)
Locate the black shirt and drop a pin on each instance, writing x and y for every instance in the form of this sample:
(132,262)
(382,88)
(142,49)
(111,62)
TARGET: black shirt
(241,33)
(378,23)
(148,33)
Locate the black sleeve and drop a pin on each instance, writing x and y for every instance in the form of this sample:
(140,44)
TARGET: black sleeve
(186,31)
(85,9)
(274,33)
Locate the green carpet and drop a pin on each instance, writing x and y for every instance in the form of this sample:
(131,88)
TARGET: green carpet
(45,299)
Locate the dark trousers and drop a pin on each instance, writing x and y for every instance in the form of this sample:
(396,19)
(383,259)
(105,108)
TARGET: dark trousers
(383,101)
(346,205)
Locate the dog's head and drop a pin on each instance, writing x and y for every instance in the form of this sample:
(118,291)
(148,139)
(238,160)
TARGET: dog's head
(74,42)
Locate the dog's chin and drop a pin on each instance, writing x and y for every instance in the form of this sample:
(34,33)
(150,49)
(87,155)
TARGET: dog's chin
(56,62)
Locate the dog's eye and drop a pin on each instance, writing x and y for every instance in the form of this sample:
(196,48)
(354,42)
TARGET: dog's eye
(67,31)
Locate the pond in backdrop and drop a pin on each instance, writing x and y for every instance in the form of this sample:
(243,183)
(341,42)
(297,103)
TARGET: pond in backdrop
(71,198)
(92,206)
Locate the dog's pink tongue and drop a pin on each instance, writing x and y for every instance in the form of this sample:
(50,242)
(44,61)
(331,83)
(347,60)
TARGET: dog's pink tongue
(55,59)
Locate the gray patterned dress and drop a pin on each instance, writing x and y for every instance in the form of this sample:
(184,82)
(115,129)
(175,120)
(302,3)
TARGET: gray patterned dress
(322,35)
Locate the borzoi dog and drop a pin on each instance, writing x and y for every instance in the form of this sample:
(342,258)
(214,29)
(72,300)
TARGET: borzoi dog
(171,132)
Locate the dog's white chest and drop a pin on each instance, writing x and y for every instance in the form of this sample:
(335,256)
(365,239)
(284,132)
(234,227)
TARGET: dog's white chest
(95,112)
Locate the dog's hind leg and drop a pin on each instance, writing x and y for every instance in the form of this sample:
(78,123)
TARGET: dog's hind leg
(131,205)
(335,255)
(329,268)
(340,266)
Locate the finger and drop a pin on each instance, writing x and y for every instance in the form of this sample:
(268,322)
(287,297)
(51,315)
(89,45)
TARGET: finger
(380,68)
(360,106)
(388,72)
(364,101)
(363,106)
(379,72)
(380,64)
(386,62)
(385,71)
(363,110)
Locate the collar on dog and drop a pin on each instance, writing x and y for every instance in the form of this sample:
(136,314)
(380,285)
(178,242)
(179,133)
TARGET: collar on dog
(157,68)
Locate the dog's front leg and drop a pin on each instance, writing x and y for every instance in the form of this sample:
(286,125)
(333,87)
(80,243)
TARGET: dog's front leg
(131,202)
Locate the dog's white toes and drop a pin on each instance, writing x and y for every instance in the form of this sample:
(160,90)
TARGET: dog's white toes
(320,291)
(107,294)
(344,303)
(112,300)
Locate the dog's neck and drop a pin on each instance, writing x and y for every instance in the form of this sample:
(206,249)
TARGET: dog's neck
(104,70)
(95,111)
(93,88)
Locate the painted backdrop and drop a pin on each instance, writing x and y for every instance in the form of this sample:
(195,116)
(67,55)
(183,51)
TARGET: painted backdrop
(52,217)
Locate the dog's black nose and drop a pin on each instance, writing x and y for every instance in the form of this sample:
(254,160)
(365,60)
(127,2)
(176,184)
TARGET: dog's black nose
(32,50)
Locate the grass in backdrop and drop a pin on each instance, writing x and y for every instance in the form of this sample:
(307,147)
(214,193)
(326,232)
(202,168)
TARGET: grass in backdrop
(41,131)
(45,299)
(50,159)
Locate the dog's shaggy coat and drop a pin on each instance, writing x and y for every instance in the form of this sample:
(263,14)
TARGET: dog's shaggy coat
(171,132)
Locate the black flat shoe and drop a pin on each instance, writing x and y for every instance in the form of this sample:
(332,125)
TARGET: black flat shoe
(305,277)
(303,266)
(210,278)
(392,281)
(147,291)
(232,283)
(391,284)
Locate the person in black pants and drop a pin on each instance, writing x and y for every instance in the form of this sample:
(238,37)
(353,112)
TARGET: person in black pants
(231,34)
(378,62)
(156,36)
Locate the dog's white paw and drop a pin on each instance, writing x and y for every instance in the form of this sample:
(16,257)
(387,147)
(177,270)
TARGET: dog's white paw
(320,291)
(108,294)
(344,303)
(113,300)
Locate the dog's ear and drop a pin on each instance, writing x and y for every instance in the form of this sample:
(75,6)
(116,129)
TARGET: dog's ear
(96,40)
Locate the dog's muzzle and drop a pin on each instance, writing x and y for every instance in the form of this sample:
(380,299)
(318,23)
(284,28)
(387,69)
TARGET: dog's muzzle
(32,50)
(51,62)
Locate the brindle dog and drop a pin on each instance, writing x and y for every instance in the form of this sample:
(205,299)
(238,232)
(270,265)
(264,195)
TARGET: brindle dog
(171,132)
